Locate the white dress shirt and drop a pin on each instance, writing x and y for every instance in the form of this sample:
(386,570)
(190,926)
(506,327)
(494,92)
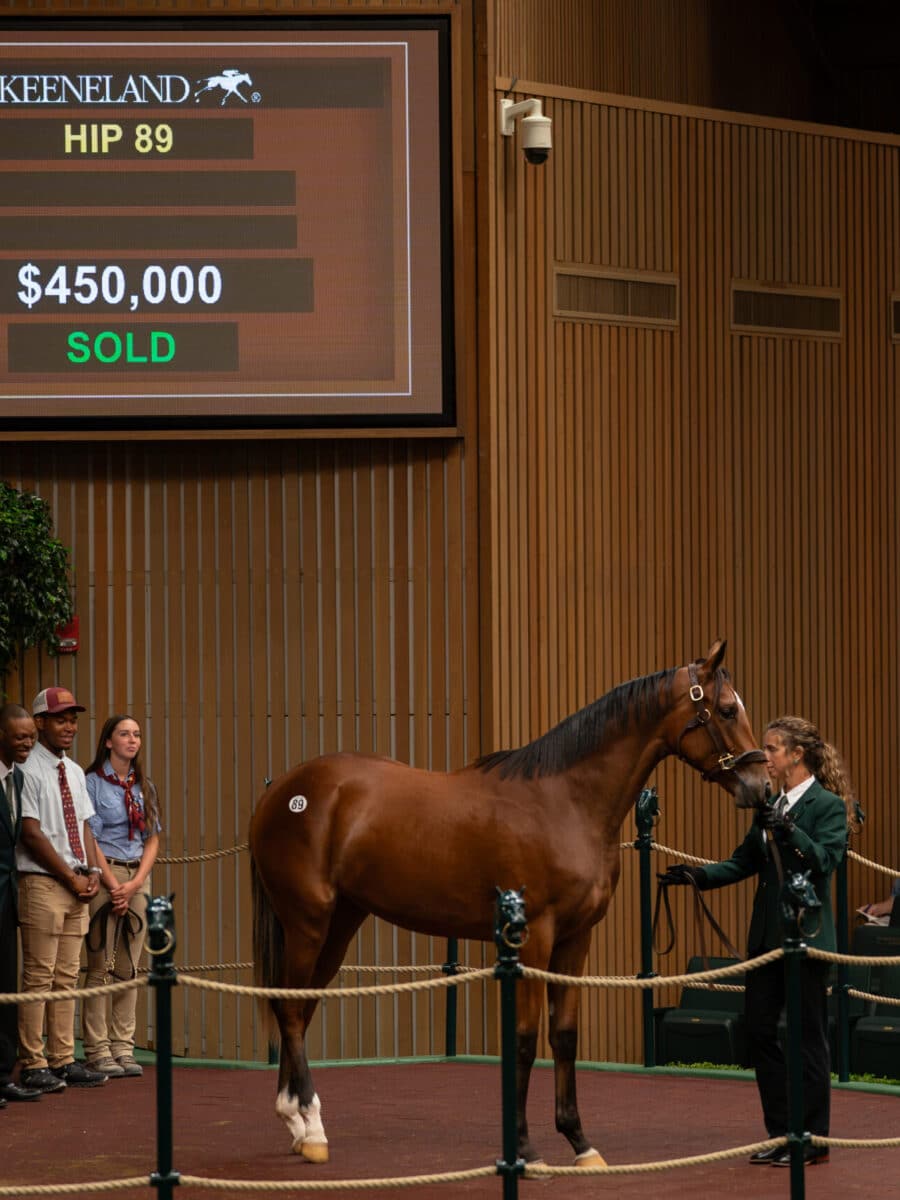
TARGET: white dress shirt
(43,802)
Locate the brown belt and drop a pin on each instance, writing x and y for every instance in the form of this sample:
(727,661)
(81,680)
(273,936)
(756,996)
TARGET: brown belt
(131,863)
(47,875)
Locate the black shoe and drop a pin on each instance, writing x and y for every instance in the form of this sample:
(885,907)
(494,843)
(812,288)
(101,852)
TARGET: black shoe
(42,1079)
(15,1091)
(764,1158)
(812,1156)
(76,1074)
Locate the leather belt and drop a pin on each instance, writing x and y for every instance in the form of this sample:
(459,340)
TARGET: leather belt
(46,874)
(131,863)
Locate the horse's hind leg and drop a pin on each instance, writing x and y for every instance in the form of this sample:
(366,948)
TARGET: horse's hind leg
(563,1003)
(297,1103)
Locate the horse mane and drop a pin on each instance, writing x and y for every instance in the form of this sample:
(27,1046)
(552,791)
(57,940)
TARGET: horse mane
(579,735)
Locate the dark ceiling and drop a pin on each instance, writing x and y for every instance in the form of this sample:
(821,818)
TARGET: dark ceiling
(852,49)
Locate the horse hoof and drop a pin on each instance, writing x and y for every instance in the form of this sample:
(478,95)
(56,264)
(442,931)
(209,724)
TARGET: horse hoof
(590,1158)
(315,1152)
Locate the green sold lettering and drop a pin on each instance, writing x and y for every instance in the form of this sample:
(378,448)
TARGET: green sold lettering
(110,347)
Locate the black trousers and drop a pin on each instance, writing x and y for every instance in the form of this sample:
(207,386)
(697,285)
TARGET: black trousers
(8,984)
(765,999)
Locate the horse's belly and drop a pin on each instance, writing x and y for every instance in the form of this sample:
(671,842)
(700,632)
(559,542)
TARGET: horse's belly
(425,906)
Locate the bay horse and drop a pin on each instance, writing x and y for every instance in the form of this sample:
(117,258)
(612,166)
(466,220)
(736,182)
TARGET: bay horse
(346,835)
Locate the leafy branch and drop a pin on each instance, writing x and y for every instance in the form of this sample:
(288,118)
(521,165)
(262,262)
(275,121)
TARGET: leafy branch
(35,598)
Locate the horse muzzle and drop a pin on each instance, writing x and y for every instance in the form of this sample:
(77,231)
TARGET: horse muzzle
(747,792)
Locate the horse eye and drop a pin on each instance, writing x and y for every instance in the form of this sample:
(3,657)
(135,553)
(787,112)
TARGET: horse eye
(729,714)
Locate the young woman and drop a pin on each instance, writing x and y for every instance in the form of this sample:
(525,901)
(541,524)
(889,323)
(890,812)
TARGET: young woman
(807,824)
(126,828)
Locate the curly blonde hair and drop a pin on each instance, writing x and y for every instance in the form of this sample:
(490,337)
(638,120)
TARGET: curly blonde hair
(819,756)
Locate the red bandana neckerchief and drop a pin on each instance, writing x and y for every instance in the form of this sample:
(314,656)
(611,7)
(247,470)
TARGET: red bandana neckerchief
(132,807)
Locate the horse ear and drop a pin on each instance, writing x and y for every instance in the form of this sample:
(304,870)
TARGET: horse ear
(714,656)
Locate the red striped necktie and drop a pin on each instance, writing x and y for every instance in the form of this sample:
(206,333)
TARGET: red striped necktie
(68,805)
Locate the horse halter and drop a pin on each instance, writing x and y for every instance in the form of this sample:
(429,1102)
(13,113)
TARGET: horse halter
(702,720)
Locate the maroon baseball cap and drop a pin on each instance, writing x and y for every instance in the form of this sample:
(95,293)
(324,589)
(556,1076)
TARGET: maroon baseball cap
(54,700)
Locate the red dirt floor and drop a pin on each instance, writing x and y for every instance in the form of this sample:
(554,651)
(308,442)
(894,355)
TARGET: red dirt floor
(400,1120)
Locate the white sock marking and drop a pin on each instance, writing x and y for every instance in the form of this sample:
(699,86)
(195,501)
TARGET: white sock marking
(288,1109)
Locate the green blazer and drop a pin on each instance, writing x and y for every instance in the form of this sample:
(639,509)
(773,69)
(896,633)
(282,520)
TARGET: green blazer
(817,843)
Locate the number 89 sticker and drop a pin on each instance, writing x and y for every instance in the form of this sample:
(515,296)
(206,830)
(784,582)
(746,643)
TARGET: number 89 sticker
(297,804)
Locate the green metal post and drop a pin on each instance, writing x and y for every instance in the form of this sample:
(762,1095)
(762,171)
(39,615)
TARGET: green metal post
(161,933)
(451,967)
(794,954)
(646,813)
(843,974)
(510,932)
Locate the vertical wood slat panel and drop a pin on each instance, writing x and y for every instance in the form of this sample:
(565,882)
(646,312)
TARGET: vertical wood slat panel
(738,484)
(236,564)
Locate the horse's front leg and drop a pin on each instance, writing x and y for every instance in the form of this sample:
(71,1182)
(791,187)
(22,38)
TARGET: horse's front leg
(563,1012)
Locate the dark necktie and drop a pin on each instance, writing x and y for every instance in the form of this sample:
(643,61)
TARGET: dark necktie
(69,813)
(11,798)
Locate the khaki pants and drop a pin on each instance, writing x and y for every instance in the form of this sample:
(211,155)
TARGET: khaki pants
(108,1022)
(53,923)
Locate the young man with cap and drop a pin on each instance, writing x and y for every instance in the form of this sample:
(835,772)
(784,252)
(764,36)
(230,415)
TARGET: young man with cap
(57,878)
(17,736)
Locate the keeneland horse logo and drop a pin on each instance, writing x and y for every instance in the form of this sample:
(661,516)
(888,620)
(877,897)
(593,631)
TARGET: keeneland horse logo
(229,81)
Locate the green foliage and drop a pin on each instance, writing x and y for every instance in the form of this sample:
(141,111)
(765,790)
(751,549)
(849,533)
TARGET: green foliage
(34,581)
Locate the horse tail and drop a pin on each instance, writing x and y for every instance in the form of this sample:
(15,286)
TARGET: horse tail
(268,937)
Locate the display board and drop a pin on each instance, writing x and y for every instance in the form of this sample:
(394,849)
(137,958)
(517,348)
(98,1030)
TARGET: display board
(240,227)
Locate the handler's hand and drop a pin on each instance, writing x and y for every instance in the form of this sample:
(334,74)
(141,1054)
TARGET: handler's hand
(768,820)
(680,874)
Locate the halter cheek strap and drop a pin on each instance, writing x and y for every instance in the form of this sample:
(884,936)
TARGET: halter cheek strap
(701,720)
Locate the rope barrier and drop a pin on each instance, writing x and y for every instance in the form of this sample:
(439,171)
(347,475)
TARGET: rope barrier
(406,970)
(234,966)
(75,1189)
(656,981)
(874,865)
(467,975)
(542,1171)
(76,993)
(691,858)
(399,969)
(376,989)
(333,1185)
(204,857)
(856,1143)
(873,996)
(857,960)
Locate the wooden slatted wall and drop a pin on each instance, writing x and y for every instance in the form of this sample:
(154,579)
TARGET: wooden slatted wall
(737,56)
(653,488)
(254,605)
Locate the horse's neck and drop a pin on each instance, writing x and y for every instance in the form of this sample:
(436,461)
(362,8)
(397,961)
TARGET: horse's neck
(611,779)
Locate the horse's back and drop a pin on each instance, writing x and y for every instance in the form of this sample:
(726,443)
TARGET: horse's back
(300,813)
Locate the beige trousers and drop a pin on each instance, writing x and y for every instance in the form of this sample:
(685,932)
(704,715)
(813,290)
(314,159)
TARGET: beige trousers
(53,923)
(107,1022)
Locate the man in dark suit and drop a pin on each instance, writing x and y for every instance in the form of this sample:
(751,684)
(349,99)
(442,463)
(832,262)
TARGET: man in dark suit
(17,736)
(804,829)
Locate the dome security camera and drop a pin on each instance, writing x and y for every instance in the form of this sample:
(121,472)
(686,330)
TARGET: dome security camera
(537,130)
(537,139)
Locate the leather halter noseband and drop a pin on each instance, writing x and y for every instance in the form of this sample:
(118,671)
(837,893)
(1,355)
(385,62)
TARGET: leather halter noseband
(701,720)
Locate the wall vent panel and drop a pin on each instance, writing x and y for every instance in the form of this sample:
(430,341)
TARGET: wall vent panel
(756,308)
(617,297)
